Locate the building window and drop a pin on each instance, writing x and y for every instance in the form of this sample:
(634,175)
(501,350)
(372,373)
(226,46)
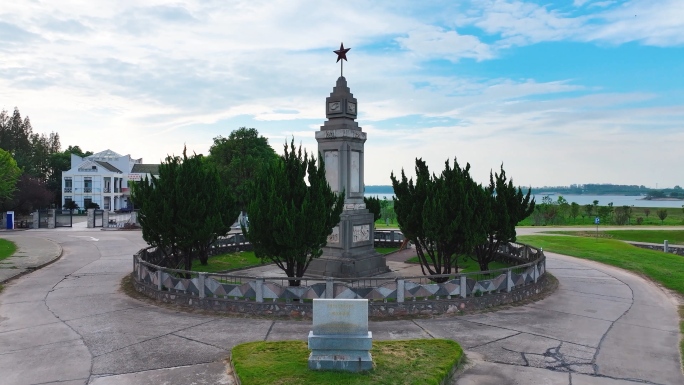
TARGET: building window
(68,185)
(87,184)
(87,201)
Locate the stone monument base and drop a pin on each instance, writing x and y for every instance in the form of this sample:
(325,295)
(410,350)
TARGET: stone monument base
(340,352)
(341,267)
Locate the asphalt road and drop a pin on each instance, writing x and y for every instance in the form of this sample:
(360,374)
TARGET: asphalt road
(69,323)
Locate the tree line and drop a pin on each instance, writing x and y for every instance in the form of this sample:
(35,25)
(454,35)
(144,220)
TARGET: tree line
(31,165)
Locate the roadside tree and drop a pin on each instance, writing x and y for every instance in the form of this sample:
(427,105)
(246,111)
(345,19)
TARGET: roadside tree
(30,194)
(289,219)
(574,211)
(662,214)
(9,175)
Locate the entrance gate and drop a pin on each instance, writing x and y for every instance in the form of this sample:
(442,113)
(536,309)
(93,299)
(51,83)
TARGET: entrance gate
(63,218)
(99,218)
(43,216)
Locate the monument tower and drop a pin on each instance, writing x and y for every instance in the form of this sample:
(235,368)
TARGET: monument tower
(349,252)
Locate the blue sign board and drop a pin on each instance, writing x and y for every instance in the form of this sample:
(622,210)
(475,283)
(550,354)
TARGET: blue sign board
(597,220)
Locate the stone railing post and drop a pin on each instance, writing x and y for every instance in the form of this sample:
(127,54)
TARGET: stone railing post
(52,219)
(666,247)
(105,218)
(259,289)
(36,219)
(535,272)
(464,286)
(509,281)
(200,279)
(134,217)
(160,285)
(401,289)
(91,218)
(329,288)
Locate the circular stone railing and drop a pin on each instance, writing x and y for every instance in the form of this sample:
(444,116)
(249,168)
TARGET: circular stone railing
(394,296)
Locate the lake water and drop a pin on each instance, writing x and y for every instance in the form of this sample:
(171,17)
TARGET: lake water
(618,200)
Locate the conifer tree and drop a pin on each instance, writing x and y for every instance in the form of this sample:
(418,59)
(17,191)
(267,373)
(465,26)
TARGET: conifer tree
(184,210)
(443,216)
(289,219)
(508,206)
(373,205)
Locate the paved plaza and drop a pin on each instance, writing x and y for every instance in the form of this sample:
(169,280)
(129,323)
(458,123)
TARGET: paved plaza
(69,323)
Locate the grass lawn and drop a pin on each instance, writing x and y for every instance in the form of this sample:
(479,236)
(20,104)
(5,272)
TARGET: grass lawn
(420,362)
(7,248)
(674,237)
(245,259)
(228,261)
(675,217)
(386,250)
(380,224)
(666,269)
(467,265)
(681,329)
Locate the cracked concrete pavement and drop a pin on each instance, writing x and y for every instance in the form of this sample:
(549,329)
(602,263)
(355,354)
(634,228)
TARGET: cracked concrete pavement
(69,323)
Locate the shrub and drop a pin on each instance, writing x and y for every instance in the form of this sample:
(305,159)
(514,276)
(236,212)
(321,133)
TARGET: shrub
(640,220)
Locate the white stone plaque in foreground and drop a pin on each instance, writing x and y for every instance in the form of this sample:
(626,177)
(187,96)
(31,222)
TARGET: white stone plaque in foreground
(340,339)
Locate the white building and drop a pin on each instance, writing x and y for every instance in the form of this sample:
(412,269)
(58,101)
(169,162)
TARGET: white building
(103,178)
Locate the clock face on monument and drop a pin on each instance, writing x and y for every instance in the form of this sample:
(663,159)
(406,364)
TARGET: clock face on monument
(351,108)
(334,107)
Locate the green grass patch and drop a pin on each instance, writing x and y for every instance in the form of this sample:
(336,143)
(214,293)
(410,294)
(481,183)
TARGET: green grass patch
(228,261)
(7,249)
(467,265)
(650,236)
(386,250)
(245,259)
(666,269)
(675,217)
(681,329)
(420,362)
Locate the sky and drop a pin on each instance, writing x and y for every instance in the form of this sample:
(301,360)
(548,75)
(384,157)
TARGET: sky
(559,92)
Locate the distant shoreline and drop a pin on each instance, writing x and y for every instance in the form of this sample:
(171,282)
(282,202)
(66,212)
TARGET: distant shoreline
(661,199)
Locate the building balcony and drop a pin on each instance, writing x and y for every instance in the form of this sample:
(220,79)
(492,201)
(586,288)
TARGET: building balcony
(87,189)
(107,190)
(67,189)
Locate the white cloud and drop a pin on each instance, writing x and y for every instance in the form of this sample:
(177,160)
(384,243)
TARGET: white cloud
(434,42)
(146,79)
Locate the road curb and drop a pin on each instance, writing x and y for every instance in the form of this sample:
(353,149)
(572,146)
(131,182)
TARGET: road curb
(37,267)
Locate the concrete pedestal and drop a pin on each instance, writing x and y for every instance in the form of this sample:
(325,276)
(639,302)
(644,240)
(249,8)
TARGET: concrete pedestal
(350,252)
(340,352)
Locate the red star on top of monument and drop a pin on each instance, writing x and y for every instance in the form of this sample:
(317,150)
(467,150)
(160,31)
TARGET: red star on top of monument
(342,52)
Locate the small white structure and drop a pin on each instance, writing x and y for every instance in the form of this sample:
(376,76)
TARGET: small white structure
(340,339)
(103,178)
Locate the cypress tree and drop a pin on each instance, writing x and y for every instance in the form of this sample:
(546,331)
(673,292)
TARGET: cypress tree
(289,219)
